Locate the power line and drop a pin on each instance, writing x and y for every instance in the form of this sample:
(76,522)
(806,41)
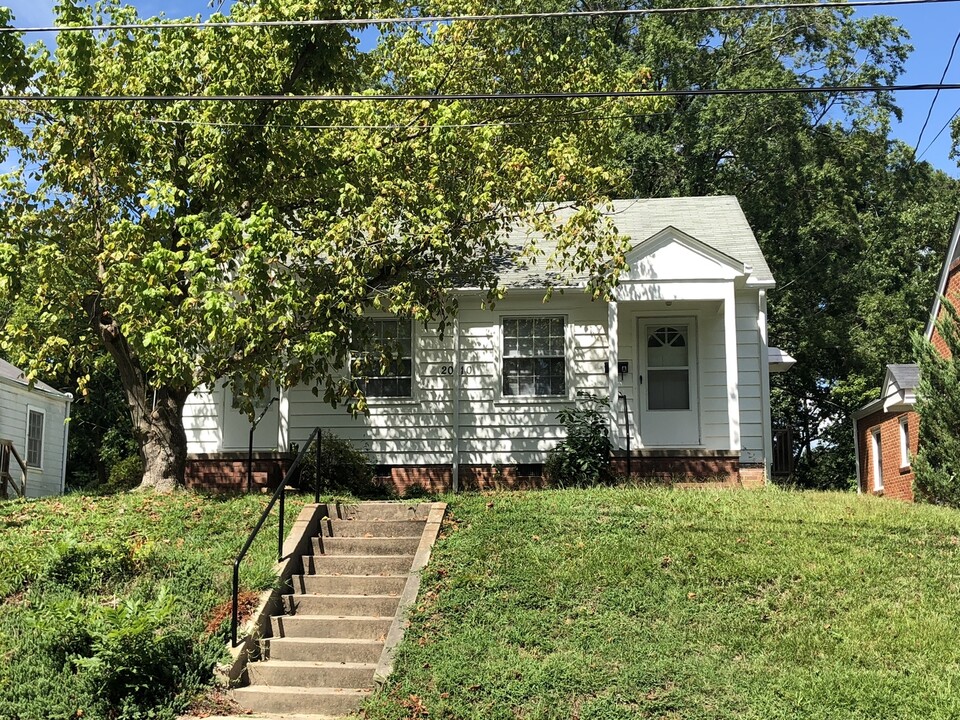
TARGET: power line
(939,133)
(431,19)
(936,94)
(465,97)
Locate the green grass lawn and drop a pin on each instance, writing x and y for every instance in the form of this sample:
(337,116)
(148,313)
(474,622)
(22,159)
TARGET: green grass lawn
(632,603)
(105,601)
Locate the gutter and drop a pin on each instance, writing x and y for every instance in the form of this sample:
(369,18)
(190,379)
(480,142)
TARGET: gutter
(66,440)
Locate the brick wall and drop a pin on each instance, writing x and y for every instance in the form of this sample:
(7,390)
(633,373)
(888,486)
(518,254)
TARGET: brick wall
(227,472)
(952,292)
(897,479)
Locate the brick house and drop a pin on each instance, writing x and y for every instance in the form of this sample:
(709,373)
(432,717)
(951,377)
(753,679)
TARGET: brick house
(886,430)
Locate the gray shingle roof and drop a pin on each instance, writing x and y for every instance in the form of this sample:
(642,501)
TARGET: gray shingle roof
(906,376)
(12,372)
(717,221)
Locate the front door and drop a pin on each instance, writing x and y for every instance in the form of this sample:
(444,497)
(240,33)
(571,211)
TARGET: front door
(667,392)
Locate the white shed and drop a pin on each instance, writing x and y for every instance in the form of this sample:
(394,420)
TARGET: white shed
(34,421)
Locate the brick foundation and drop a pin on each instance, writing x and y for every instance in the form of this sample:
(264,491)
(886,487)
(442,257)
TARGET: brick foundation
(227,472)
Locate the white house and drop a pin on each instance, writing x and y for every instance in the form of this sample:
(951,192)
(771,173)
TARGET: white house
(681,350)
(34,422)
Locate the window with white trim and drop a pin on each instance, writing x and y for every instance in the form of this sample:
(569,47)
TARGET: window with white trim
(385,367)
(877,461)
(904,443)
(35,438)
(534,356)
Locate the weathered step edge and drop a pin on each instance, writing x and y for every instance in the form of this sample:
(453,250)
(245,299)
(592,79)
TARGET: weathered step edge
(298,542)
(410,591)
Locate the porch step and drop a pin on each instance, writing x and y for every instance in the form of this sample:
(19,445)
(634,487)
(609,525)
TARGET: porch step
(308,673)
(366,545)
(345,650)
(373,627)
(332,702)
(349,584)
(343,605)
(385,511)
(324,651)
(373,528)
(357,564)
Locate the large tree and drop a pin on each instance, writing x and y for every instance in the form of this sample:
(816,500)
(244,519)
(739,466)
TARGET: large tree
(852,225)
(197,241)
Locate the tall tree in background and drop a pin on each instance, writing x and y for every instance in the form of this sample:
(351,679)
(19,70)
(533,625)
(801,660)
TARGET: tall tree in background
(194,241)
(852,225)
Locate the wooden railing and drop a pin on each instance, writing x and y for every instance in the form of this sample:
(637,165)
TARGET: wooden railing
(7,481)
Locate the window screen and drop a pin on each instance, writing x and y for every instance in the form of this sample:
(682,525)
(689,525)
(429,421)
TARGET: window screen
(386,368)
(534,356)
(668,368)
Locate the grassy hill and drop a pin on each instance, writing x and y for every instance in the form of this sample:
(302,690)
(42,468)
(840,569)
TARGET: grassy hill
(620,603)
(113,607)
(658,604)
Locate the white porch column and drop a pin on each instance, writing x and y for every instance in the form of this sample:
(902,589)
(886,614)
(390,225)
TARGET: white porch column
(283,421)
(733,369)
(765,389)
(613,377)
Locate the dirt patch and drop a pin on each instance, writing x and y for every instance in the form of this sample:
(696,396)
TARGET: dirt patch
(247,603)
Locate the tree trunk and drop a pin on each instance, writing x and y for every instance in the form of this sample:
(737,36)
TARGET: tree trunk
(163,442)
(156,414)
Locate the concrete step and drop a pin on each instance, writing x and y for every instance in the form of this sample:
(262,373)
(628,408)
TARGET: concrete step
(373,528)
(342,605)
(385,511)
(348,584)
(323,649)
(357,564)
(331,626)
(366,546)
(301,673)
(304,700)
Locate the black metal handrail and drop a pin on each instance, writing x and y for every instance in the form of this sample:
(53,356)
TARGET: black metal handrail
(253,429)
(279,494)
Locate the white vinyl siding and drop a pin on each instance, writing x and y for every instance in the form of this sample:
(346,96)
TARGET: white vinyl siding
(15,402)
(498,429)
(35,423)
(749,387)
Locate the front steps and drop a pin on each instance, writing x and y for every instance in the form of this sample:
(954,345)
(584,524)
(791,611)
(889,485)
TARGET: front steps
(326,648)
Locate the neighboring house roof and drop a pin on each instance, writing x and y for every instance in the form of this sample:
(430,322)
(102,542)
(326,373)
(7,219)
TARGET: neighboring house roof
(13,373)
(900,387)
(953,256)
(779,361)
(716,221)
(898,393)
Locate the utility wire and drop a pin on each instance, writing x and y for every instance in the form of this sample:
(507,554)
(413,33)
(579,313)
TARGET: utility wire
(430,19)
(939,133)
(936,94)
(464,97)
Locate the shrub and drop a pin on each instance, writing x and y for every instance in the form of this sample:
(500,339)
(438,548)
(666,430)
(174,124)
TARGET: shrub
(124,475)
(89,566)
(343,468)
(937,464)
(583,457)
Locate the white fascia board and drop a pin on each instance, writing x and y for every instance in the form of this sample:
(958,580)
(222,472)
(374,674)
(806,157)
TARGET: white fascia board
(868,409)
(942,285)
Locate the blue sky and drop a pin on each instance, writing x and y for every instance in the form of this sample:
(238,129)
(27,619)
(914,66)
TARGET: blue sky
(932,28)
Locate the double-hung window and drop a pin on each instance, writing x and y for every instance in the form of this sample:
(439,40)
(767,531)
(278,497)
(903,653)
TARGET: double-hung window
(534,362)
(384,367)
(34,438)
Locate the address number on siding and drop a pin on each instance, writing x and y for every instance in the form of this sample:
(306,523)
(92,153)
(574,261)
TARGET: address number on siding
(448,370)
